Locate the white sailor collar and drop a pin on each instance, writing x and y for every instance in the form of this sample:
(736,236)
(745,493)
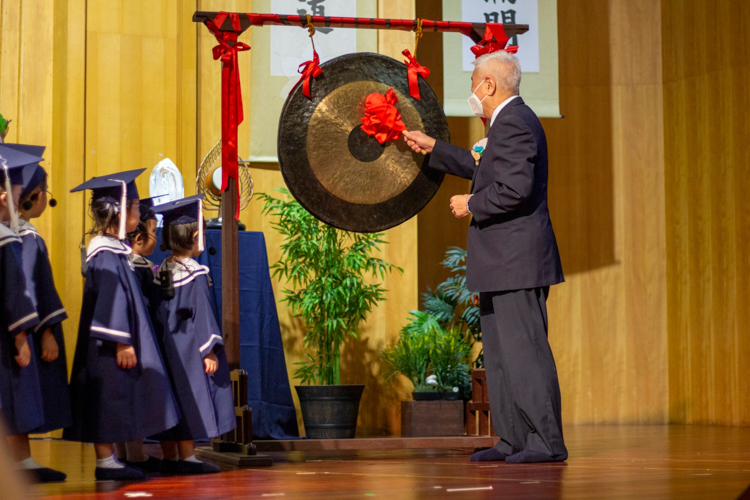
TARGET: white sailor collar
(106,244)
(7,236)
(183,272)
(25,227)
(141,261)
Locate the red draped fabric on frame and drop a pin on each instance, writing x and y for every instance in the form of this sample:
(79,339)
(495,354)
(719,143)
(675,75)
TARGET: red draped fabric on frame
(231,96)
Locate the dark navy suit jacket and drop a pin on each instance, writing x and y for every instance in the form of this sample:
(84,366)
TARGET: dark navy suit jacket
(511,244)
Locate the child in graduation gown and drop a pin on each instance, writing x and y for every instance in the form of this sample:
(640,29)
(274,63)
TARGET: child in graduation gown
(143,242)
(192,342)
(20,392)
(119,386)
(49,343)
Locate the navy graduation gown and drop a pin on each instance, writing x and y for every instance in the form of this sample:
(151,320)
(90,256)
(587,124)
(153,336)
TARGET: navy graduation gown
(189,332)
(111,404)
(144,273)
(20,395)
(53,376)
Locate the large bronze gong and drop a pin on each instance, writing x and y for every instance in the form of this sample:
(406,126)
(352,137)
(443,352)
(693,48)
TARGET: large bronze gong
(340,174)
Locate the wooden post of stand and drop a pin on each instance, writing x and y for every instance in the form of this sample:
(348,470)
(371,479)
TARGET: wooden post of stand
(230,276)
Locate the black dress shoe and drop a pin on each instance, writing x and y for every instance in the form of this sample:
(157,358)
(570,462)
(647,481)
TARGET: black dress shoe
(191,468)
(534,457)
(45,475)
(169,467)
(151,464)
(124,474)
(488,455)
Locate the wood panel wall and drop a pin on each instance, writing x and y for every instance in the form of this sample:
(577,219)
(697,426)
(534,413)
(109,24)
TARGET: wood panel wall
(608,321)
(706,108)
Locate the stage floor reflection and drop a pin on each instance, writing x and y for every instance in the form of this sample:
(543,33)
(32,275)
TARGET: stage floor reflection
(605,462)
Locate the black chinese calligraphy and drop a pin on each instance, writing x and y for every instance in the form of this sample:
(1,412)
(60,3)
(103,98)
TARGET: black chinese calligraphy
(505,17)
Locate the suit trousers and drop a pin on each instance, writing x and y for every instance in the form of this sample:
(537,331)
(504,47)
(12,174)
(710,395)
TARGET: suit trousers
(521,375)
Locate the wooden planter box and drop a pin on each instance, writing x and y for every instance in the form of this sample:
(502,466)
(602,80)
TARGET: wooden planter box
(432,418)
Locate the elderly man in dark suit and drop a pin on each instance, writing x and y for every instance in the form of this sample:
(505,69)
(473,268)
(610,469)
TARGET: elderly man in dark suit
(512,260)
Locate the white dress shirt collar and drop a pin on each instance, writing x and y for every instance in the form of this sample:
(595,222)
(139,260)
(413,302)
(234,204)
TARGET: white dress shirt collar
(500,108)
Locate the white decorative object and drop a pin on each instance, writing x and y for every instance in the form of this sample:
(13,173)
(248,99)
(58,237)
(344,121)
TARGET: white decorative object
(166,181)
(431,380)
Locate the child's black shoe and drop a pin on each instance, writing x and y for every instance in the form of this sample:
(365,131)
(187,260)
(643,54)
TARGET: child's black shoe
(187,468)
(169,467)
(151,464)
(45,475)
(123,474)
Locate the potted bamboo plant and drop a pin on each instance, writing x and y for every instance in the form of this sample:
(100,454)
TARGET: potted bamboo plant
(328,270)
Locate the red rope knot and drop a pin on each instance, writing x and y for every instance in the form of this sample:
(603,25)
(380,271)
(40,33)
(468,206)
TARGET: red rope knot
(382,119)
(414,70)
(494,40)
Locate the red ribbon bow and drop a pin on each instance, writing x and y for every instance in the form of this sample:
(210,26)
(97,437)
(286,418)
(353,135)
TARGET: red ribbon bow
(415,69)
(308,69)
(382,119)
(494,40)
(231,96)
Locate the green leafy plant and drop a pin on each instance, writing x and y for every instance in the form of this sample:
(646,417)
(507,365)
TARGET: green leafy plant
(410,356)
(328,270)
(449,358)
(425,347)
(452,305)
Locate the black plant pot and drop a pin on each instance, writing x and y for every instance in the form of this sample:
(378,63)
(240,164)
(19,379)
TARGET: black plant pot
(330,411)
(449,396)
(425,396)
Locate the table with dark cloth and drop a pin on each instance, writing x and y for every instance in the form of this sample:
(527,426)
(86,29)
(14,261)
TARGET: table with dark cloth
(261,349)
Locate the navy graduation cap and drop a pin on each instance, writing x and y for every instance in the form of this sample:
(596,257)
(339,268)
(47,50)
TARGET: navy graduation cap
(21,162)
(146,206)
(17,167)
(184,211)
(29,149)
(38,175)
(116,188)
(109,187)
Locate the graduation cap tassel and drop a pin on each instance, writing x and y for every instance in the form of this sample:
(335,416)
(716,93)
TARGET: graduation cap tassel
(123,210)
(9,190)
(200,225)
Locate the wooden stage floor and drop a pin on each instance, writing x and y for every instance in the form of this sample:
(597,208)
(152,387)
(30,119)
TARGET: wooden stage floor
(605,462)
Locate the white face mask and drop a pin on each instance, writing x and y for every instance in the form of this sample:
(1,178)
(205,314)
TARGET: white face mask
(475,104)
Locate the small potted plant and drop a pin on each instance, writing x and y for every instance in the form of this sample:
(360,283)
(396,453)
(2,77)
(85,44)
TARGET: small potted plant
(410,356)
(449,358)
(423,348)
(328,270)
(434,359)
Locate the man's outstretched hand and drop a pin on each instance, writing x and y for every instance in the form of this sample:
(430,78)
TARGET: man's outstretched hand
(419,141)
